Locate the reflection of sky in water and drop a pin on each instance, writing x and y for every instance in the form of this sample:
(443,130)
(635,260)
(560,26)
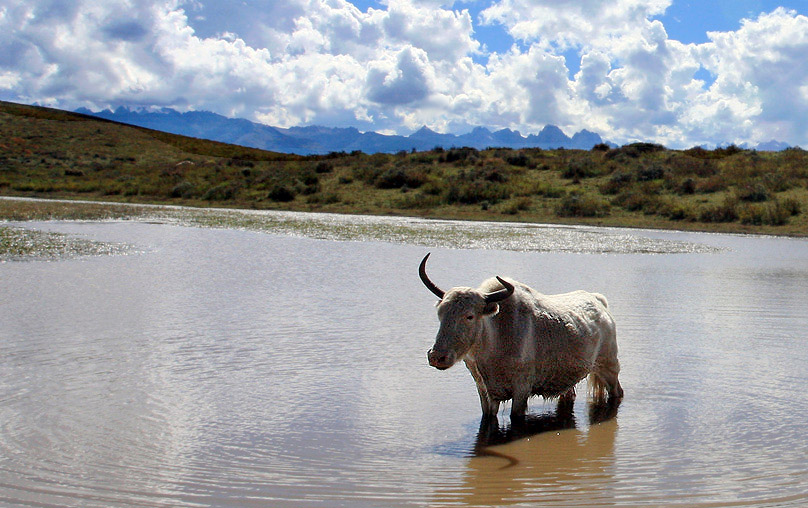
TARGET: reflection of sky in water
(235,368)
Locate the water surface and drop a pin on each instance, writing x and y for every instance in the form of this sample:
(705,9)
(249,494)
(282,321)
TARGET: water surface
(221,367)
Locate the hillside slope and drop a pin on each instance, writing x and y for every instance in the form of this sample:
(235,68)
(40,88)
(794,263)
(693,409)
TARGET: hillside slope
(52,153)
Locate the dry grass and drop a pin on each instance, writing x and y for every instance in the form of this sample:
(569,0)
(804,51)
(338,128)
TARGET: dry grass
(55,154)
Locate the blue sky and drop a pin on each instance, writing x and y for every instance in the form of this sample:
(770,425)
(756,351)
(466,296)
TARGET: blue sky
(676,72)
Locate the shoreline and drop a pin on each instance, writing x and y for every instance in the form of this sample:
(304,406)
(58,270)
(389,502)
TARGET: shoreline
(22,243)
(106,210)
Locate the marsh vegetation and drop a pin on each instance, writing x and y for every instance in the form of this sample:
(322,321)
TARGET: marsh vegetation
(51,153)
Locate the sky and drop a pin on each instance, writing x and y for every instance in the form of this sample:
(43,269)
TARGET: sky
(679,73)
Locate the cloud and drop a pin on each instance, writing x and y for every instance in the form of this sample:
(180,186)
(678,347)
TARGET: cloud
(761,73)
(416,62)
(404,82)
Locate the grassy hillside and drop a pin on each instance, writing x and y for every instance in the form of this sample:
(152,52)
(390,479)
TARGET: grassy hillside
(52,153)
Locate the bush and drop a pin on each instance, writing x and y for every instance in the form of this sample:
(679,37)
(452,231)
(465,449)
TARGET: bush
(772,214)
(688,186)
(419,199)
(460,154)
(517,205)
(577,205)
(183,190)
(675,209)
(395,178)
(476,191)
(754,193)
(654,171)
(712,184)
(617,182)
(222,192)
(725,212)
(636,201)
(518,159)
(281,194)
(328,198)
(324,167)
(581,168)
(793,206)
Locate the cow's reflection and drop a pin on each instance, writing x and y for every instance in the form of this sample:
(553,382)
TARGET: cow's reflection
(551,459)
(492,433)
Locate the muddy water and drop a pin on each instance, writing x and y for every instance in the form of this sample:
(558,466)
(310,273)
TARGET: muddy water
(237,368)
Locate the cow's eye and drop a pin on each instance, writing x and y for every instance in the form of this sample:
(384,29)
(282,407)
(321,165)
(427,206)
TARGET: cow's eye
(470,317)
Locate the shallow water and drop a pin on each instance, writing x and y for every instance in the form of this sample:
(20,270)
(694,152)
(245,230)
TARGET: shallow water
(218,367)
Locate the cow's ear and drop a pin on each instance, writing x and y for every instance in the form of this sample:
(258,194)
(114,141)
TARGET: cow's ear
(491,309)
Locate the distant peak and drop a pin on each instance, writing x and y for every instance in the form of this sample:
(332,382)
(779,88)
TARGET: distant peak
(552,129)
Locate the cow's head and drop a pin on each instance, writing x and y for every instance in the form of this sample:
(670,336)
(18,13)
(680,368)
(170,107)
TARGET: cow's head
(460,311)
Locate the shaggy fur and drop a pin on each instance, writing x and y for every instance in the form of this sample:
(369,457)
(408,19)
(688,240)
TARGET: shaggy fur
(528,344)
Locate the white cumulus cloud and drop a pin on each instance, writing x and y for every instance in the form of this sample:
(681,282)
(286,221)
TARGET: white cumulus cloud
(416,62)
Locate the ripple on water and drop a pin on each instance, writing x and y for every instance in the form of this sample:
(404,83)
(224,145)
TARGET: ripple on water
(220,370)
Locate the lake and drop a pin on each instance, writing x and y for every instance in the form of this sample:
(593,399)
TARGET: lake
(235,368)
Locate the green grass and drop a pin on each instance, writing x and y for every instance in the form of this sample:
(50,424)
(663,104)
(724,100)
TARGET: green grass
(57,154)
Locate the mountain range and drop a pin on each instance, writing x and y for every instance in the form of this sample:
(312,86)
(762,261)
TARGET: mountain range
(321,140)
(315,139)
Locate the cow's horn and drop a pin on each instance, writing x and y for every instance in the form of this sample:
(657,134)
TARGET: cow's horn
(428,283)
(498,296)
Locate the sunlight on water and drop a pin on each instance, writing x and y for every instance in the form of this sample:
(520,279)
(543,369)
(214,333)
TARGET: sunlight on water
(222,367)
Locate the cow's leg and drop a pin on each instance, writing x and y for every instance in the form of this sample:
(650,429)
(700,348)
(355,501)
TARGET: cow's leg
(605,380)
(489,406)
(519,406)
(567,400)
(607,367)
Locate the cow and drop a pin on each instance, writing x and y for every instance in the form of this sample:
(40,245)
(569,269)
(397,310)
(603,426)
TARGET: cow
(517,342)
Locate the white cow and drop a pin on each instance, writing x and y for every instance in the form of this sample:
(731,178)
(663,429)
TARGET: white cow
(518,342)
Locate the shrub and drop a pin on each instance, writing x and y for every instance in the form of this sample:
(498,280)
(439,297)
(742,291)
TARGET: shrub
(418,199)
(581,168)
(183,190)
(518,159)
(578,205)
(617,182)
(636,201)
(517,205)
(281,194)
(675,209)
(712,184)
(309,179)
(754,193)
(324,167)
(688,186)
(793,206)
(653,171)
(776,182)
(772,214)
(328,198)
(476,191)
(724,212)
(395,178)
(222,192)
(459,154)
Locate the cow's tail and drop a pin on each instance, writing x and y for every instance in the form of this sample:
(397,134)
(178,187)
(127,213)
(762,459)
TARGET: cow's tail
(598,390)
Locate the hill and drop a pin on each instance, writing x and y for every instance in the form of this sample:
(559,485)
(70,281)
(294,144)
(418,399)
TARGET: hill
(52,153)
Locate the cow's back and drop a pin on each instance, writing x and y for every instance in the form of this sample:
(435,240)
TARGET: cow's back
(556,338)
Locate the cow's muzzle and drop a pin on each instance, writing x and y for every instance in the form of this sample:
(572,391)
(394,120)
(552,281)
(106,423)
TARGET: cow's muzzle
(441,360)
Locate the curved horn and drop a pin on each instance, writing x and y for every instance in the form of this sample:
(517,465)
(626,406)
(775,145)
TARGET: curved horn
(498,296)
(428,283)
